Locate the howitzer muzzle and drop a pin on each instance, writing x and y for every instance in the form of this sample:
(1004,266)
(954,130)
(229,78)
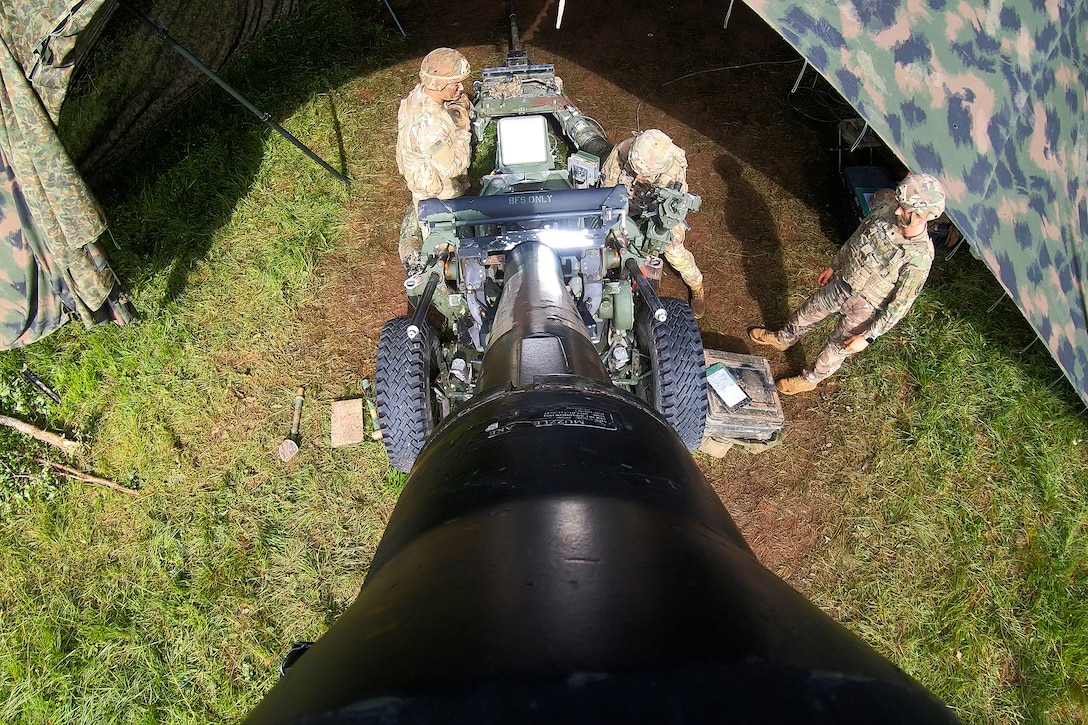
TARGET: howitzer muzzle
(557,556)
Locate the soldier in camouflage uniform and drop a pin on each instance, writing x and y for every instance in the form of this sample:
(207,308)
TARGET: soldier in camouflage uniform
(433,141)
(871,283)
(647,161)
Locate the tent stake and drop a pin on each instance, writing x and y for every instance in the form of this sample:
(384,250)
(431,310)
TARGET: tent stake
(180,50)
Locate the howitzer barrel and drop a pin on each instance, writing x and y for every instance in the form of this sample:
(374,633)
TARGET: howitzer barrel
(537,329)
(557,556)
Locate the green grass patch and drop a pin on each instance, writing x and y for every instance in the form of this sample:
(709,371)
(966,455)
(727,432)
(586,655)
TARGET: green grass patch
(175,605)
(963,550)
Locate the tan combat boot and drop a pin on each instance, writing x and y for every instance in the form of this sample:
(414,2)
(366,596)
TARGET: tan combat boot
(763,336)
(795,385)
(698,302)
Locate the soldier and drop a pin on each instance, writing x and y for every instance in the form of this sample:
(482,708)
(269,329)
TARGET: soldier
(871,283)
(647,161)
(433,141)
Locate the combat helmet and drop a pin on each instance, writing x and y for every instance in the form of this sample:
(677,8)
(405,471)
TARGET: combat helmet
(442,67)
(921,193)
(651,153)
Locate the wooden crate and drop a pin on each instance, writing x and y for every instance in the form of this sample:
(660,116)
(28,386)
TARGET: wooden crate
(759,420)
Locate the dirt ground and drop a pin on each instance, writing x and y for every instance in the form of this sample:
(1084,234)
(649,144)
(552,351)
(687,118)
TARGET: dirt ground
(763,164)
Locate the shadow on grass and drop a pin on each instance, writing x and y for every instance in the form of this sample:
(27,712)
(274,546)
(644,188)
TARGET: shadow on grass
(188,177)
(172,196)
(167,200)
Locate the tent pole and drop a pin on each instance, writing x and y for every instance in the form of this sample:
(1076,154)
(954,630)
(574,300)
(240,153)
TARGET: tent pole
(180,50)
(390,9)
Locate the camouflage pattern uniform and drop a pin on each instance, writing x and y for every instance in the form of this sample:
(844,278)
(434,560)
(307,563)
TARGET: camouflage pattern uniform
(878,273)
(661,164)
(434,145)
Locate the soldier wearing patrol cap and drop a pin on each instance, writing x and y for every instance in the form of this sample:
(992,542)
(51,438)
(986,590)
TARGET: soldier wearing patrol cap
(433,140)
(871,283)
(651,160)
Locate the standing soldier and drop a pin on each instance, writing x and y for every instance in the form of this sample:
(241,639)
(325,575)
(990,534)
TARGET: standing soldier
(871,283)
(433,141)
(648,161)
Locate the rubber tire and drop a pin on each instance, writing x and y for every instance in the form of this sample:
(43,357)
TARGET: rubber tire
(676,383)
(403,377)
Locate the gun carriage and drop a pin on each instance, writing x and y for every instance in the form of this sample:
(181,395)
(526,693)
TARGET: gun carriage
(579,260)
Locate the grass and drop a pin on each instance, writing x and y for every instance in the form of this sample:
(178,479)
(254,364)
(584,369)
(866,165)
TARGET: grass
(174,606)
(963,548)
(960,550)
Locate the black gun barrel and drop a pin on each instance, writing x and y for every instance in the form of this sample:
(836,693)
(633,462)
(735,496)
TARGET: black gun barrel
(537,329)
(515,38)
(557,556)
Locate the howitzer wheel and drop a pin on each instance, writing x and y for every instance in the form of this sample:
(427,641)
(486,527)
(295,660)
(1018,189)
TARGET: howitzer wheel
(675,383)
(406,370)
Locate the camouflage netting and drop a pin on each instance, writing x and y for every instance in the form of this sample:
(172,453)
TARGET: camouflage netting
(56,268)
(990,98)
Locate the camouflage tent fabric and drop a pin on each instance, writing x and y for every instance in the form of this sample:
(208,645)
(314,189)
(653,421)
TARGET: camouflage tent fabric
(158,81)
(992,99)
(52,266)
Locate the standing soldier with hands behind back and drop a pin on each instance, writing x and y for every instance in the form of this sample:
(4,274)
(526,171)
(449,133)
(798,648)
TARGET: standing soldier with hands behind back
(871,283)
(650,161)
(434,143)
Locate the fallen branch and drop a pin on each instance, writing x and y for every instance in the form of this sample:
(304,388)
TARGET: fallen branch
(73,473)
(44,436)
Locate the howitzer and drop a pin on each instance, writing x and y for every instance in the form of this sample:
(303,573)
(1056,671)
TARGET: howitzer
(557,556)
(544,188)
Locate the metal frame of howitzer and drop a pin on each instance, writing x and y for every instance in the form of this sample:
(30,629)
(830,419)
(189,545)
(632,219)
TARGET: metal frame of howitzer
(609,267)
